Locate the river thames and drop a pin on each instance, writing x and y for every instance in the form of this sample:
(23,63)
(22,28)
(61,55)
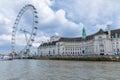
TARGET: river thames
(58,70)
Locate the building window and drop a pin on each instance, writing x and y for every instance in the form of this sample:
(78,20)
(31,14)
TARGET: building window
(116,35)
(100,41)
(49,52)
(53,51)
(117,43)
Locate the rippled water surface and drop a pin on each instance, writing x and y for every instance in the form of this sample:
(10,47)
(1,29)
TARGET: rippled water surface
(58,70)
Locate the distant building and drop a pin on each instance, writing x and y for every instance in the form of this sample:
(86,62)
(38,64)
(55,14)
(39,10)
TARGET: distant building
(101,43)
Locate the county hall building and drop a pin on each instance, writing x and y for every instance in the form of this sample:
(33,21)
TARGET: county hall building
(100,43)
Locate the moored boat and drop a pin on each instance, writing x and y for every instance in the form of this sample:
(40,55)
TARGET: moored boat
(6,58)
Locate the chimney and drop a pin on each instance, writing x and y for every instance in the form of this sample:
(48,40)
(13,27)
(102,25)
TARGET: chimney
(109,32)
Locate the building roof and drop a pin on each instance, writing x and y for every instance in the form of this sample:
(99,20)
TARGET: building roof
(99,32)
(113,32)
(89,37)
(49,43)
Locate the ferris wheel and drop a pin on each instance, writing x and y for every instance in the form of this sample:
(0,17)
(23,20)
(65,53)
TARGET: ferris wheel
(29,32)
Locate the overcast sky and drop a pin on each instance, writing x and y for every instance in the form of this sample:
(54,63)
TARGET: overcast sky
(59,17)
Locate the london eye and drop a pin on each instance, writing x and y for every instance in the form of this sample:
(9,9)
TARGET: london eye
(24,30)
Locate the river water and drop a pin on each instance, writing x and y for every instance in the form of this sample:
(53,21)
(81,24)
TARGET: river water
(58,70)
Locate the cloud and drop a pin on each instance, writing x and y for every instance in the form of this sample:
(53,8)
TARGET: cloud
(5,37)
(4,24)
(60,17)
(61,25)
(45,13)
(90,12)
(56,34)
(4,21)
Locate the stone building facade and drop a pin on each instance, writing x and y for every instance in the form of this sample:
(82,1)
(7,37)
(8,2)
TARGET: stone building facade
(100,43)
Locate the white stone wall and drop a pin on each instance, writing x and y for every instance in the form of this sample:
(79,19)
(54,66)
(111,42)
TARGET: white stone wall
(106,46)
(77,48)
(46,50)
(94,46)
(116,45)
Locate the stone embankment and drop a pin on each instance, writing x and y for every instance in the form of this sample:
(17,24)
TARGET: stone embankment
(81,58)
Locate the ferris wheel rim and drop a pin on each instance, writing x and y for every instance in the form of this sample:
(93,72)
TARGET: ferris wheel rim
(34,25)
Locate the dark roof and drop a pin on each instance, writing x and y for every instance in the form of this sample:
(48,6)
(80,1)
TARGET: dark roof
(100,32)
(89,37)
(49,43)
(69,39)
(76,39)
(115,31)
(80,38)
